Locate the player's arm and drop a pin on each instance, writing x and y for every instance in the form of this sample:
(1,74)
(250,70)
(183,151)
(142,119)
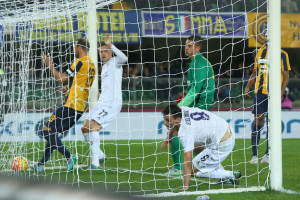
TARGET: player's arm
(60,77)
(285,71)
(252,77)
(168,139)
(122,57)
(250,83)
(285,81)
(187,169)
(199,76)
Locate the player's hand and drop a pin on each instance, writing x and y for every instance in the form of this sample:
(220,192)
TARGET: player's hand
(282,93)
(108,41)
(64,88)
(170,142)
(46,59)
(246,92)
(164,145)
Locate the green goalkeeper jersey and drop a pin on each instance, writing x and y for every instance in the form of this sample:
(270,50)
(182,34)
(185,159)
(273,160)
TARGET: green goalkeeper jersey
(201,84)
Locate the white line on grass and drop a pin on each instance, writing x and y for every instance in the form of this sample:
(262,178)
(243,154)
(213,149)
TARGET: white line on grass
(46,168)
(288,191)
(216,191)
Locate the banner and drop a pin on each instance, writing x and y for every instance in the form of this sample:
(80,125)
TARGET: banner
(184,24)
(133,126)
(290,30)
(122,25)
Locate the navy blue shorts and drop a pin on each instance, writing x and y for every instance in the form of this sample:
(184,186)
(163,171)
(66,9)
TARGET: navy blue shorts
(63,119)
(260,104)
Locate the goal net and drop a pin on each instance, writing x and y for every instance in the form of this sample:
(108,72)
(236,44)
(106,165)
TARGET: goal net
(152,34)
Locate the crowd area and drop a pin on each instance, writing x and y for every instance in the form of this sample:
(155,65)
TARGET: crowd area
(289,6)
(156,81)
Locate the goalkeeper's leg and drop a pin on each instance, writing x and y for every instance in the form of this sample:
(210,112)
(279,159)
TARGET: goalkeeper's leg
(176,152)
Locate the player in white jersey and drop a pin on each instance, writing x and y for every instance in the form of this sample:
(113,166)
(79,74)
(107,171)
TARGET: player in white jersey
(110,101)
(209,136)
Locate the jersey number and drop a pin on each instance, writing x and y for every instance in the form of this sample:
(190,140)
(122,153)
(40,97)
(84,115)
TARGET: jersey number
(102,113)
(204,158)
(199,116)
(91,77)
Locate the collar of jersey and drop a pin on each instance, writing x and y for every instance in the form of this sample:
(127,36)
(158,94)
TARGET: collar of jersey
(199,55)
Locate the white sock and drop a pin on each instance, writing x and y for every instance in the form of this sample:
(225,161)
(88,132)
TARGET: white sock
(87,137)
(95,147)
(218,173)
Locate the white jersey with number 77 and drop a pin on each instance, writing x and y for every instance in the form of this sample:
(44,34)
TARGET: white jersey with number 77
(111,80)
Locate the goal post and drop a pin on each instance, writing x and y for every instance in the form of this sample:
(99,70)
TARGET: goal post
(274,34)
(93,53)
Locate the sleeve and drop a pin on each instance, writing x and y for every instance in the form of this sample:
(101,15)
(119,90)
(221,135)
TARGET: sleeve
(122,58)
(285,63)
(73,70)
(199,74)
(187,141)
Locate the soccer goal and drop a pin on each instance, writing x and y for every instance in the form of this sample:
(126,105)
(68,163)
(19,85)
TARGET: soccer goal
(152,34)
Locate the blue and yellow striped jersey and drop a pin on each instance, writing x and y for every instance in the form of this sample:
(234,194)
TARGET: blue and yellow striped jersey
(81,76)
(261,66)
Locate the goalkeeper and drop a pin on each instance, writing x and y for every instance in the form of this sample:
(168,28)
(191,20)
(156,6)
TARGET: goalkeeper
(200,93)
(80,77)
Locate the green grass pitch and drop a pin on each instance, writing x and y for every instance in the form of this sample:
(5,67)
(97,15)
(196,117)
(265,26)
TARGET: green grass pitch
(138,167)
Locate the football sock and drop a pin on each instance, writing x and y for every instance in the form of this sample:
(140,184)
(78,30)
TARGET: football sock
(255,137)
(61,148)
(95,147)
(218,174)
(53,142)
(87,137)
(48,150)
(176,152)
(267,138)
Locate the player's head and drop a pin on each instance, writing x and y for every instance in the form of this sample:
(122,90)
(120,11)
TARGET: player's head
(172,116)
(193,45)
(81,47)
(105,52)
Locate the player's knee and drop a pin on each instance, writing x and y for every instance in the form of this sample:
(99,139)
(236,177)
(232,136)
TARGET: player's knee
(83,129)
(86,127)
(95,127)
(260,122)
(46,128)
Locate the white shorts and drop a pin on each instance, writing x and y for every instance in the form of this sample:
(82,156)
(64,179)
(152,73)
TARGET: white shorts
(103,115)
(210,159)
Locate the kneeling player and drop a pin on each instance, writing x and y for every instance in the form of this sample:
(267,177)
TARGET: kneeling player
(206,134)
(110,101)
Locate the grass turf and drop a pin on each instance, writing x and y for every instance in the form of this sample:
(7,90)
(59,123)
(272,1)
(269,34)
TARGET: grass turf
(138,167)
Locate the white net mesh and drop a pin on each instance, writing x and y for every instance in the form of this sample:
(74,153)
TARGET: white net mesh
(152,34)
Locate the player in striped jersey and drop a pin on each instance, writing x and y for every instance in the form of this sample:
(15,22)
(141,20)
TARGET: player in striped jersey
(79,77)
(260,77)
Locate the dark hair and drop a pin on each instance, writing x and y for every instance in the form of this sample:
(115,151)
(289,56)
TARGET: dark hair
(84,43)
(173,110)
(196,39)
(102,44)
